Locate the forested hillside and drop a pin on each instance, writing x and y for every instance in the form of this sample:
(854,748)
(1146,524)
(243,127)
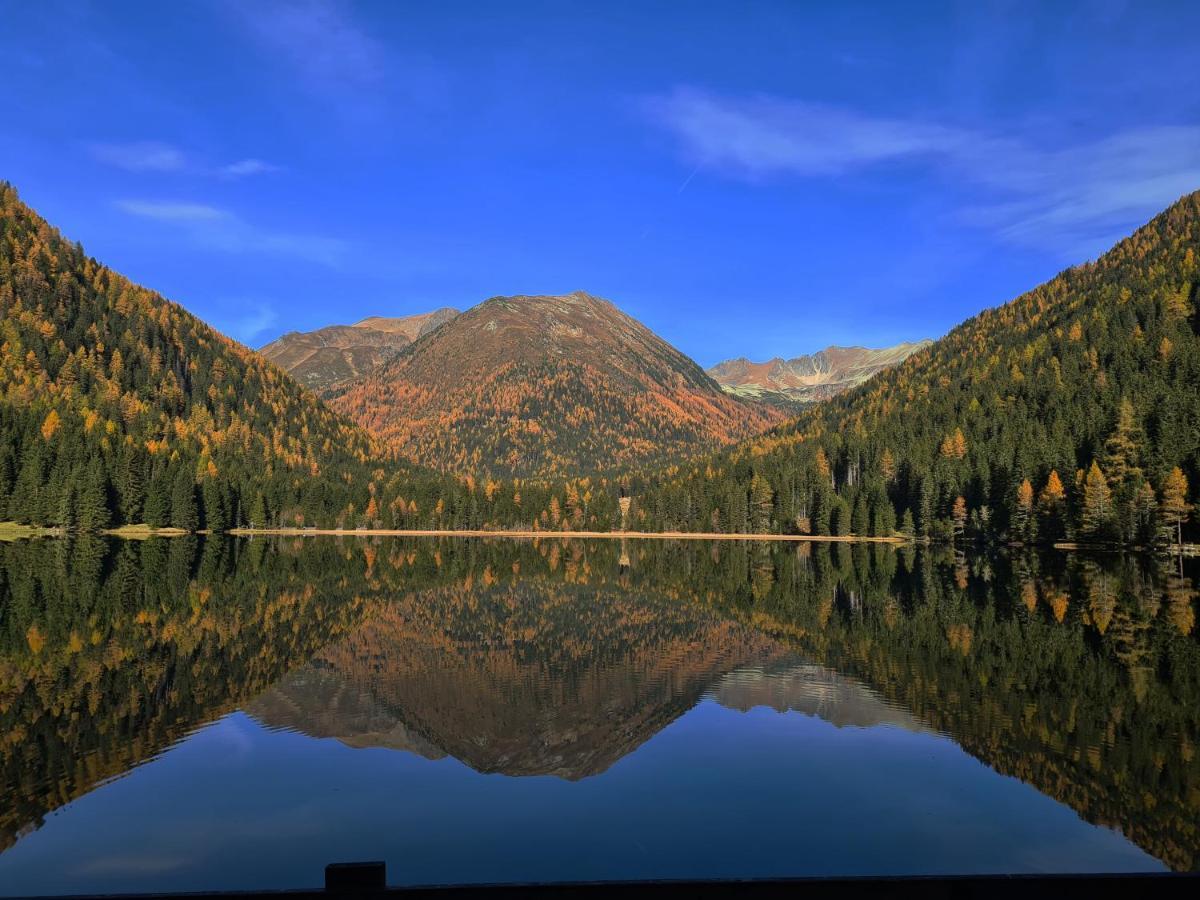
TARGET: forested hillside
(119,407)
(1071,412)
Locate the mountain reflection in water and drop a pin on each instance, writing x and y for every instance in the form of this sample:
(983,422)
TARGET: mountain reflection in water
(1080,677)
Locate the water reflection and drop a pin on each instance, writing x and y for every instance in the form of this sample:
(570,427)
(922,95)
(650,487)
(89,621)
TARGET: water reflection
(1081,677)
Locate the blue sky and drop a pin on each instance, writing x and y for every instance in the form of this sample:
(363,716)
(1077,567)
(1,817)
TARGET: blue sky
(749,179)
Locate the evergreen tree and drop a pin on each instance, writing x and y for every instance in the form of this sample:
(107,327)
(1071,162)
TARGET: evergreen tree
(840,518)
(183,501)
(216,518)
(65,515)
(258,512)
(761,498)
(130,489)
(93,501)
(859,523)
(157,509)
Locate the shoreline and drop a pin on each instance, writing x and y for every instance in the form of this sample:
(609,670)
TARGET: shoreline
(526,534)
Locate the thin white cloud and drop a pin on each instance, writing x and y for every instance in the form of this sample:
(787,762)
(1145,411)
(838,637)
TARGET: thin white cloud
(1071,198)
(765,135)
(219,229)
(319,39)
(245,167)
(141,156)
(172,212)
(161,157)
(244,319)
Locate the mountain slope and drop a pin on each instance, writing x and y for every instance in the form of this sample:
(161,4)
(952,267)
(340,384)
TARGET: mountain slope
(118,406)
(539,386)
(1062,413)
(319,359)
(816,376)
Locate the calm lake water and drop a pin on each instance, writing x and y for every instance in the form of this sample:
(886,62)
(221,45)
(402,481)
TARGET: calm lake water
(182,715)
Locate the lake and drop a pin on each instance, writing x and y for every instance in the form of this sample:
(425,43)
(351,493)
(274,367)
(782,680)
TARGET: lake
(196,714)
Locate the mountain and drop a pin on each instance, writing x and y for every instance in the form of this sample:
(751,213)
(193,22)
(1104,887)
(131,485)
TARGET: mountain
(804,379)
(541,386)
(319,359)
(1070,412)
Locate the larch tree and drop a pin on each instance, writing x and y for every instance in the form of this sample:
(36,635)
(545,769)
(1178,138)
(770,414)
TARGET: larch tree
(1051,502)
(1096,515)
(1174,507)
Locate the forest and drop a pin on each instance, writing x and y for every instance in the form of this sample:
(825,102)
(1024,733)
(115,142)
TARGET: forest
(1068,414)
(118,407)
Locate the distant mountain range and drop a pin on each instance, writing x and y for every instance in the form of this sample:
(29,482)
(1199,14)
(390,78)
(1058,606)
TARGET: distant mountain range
(804,379)
(533,386)
(546,385)
(322,358)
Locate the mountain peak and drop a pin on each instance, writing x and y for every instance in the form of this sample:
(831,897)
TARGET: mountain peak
(322,358)
(540,384)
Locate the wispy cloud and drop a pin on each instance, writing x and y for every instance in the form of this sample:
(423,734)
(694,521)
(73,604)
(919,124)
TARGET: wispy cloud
(1069,197)
(172,212)
(141,156)
(221,229)
(319,39)
(245,167)
(158,156)
(245,319)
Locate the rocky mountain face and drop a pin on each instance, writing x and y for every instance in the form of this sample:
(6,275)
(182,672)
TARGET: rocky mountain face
(533,386)
(805,379)
(322,358)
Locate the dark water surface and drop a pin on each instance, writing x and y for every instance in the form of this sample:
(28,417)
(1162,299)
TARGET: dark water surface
(180,715)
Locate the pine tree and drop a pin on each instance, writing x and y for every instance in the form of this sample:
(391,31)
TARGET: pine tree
(840,518)
(130,490)
(761,500)
(925,499)
(859,523)
(183,501)
(93,501)
(258,512)
(216,518)
(157,509)
(65,514)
